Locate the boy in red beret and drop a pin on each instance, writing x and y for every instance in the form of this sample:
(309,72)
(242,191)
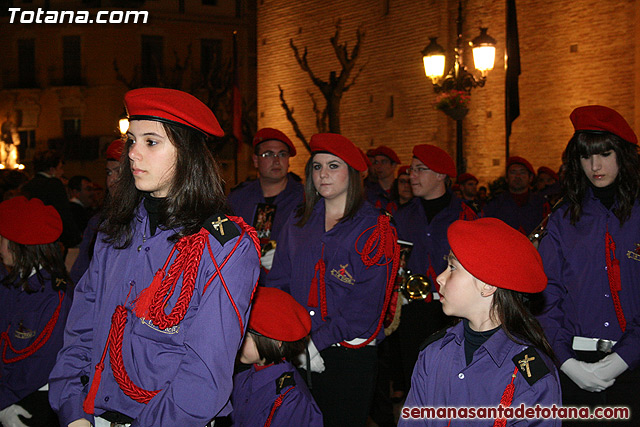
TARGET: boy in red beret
(272,392)
(385,162)
(423,222)
(497,355)
(34,309)
(519,207)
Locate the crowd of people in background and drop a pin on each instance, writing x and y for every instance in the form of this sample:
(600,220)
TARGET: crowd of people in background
(347,297)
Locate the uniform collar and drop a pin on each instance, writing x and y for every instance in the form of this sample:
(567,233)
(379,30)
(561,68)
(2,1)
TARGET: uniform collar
(267,376)
(498,346)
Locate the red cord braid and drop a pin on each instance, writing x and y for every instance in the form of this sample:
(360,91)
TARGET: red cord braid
(37,344)
(116,334)
(248,229)
(613,273)
(385,238)
(318,285)
(186,263)
(507,399)
(275,406)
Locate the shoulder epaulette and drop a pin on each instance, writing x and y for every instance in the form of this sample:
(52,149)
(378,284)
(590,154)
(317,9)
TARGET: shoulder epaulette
(221,227)
(285,380)
(433,338)
(531,365)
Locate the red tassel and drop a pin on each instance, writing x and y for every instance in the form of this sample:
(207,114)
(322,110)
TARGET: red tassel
(89,401)
(143,302)
(313,293)
(506,399)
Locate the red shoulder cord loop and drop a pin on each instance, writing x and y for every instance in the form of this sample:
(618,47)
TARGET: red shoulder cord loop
(507,399)
(37,344)
(613,273)
(384,240)
(275,406)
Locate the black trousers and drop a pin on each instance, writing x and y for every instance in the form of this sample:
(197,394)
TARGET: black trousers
(624,392)
(345,389)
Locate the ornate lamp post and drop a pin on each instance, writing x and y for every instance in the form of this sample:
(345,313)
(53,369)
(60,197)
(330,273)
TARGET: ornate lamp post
(457,84)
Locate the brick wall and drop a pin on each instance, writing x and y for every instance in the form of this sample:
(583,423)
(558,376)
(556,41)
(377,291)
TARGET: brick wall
(572,53)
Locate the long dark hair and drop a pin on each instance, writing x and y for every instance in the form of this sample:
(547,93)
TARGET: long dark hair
(627,182)
(355,194)
(517,321)
(29,258)
(195,194)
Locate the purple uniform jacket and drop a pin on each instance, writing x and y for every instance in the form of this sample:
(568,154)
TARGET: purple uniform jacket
(191,363)
(430,245)
(85,251)
(254,393)
(523,218)
(355,293)
(24,316)
(381,199)
(578,297)
(244,200)
(441,378)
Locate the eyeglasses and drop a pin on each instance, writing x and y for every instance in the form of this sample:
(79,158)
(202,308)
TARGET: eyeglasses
(418,169)
(271,155)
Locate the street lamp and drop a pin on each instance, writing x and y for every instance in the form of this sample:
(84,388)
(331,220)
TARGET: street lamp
(459,81)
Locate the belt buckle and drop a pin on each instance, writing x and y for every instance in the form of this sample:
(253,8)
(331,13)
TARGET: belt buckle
(604,346)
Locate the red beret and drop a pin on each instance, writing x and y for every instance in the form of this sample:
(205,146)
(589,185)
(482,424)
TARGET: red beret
(435,158)
(364,156)
(29,222)
(277,315)
(548,171)
(114,151)
(599,118)
(171,106)
(521,161)
(403,170)
(383,150)
(267,134)
(339,146)
(497,254)
(464,177)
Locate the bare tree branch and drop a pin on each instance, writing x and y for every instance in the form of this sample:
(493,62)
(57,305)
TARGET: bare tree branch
(353,80)
(130,84)
(292,120)
(302,61)
(321,116)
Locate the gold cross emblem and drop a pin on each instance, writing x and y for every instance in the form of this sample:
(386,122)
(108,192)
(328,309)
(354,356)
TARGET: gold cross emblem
(282,380)
(218,223)
(524,364)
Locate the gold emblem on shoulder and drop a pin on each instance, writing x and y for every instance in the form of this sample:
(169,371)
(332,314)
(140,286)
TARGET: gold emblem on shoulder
(635,254)
(343,275)
(23,333)
(524,364)
(217,225)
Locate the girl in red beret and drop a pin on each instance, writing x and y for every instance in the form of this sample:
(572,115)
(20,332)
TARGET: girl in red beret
(34,307)
(497,355)
(159,315)
(592,258)
(272,392)
(337,257)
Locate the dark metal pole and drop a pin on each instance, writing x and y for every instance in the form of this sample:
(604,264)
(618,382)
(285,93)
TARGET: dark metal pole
(460,164)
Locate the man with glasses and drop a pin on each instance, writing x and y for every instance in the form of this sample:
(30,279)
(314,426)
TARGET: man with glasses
(385,162)
(423,222)
(267,202)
